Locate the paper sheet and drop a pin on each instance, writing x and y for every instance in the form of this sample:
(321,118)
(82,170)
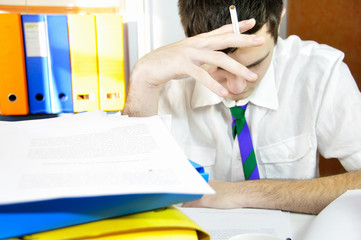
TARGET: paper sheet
(339,220)
(223,224)
(90,155)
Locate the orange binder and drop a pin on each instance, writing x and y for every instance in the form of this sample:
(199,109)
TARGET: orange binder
(13,86)
(83,59)
(110,61)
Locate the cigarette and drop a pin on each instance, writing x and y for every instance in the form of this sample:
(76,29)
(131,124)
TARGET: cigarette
(234,18)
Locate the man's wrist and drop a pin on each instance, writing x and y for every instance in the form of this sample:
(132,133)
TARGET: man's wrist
(142,99)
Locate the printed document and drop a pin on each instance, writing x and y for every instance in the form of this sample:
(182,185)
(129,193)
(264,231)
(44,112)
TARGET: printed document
(92,155)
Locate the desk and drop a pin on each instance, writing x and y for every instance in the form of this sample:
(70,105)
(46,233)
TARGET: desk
(299,224)
(222,224)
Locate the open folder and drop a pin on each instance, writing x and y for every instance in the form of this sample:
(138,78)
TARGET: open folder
(82,168)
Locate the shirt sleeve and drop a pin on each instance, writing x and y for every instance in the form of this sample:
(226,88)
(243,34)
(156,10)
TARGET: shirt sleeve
(338,123)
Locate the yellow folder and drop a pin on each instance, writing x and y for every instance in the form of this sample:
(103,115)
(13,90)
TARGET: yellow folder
(13,85)
(83,59)
(110,45)
(161,224)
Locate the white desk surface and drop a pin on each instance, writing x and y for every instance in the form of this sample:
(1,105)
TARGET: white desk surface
(222,224)
(299,224)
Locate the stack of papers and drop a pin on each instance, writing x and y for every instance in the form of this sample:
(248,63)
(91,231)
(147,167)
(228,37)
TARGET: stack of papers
(80,168)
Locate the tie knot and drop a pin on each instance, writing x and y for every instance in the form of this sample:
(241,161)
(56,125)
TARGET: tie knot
(238,112)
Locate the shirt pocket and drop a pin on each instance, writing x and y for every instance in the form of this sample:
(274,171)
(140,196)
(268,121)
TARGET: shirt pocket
(203,156)
(291,158)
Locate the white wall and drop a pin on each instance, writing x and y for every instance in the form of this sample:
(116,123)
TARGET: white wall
(166,26)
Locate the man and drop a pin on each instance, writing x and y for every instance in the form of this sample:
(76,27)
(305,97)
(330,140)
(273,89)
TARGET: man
(301,100)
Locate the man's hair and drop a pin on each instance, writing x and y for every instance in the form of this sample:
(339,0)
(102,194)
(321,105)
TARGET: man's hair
(199,16)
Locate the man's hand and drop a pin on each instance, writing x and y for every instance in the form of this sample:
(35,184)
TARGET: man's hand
(223,198)
(198,57)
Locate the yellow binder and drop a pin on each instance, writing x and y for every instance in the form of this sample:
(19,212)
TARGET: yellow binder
(110,45)
(13,85)
(83,58)
(161,224)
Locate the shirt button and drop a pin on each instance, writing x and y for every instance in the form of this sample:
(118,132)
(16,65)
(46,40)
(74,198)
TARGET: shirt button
(291,156)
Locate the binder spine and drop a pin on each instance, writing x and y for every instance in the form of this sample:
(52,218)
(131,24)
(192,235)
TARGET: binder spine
(36,59)
(110,44)
(13,85)
(59,64)
(84,63)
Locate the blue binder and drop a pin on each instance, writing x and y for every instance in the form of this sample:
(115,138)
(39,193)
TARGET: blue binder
(36,62)
(26,218)
(59,65)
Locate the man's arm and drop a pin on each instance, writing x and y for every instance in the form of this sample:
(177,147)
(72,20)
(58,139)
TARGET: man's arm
(187,58)
(305,196)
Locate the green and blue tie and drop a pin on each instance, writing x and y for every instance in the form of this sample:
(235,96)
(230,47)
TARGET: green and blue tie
(241,130)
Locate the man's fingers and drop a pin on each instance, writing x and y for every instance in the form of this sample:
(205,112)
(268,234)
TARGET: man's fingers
(244,26)
(192,204)
(224,37)
(209,68)
(203,76)
(222,60)
(227,40)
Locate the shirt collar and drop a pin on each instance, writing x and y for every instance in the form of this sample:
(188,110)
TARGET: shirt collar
(265,95)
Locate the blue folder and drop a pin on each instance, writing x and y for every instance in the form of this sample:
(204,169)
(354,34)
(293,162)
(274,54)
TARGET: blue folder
(200,170)
(59,65)
(26,218)
(36,62)
(31,217)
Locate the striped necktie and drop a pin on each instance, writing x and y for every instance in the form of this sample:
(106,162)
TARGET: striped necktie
(241,130)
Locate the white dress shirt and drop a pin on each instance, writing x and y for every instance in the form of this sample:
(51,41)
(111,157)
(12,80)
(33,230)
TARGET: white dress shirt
(308,102)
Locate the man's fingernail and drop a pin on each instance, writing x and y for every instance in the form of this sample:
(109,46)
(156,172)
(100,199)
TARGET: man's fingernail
(223,92)
(205,66)
(258,38)
(249,21)
(252,75)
